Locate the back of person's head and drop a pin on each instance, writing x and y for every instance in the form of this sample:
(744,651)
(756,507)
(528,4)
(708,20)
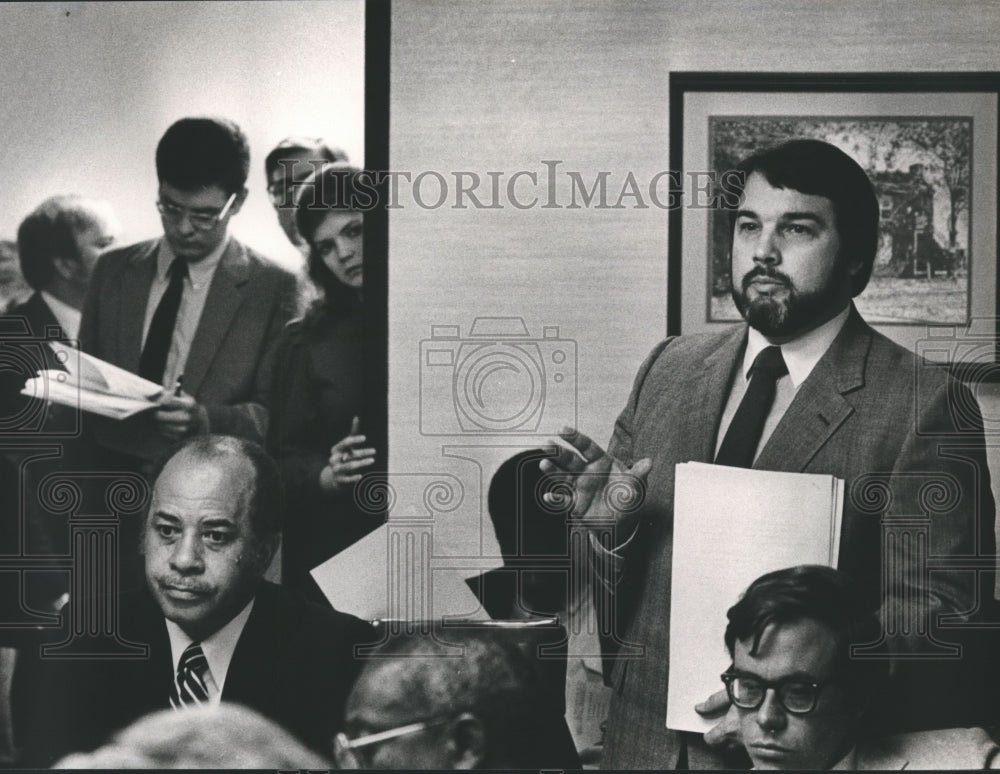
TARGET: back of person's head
(532,533)
(822,594)
(197,153)
(265,498)
(295,147)
(818,168)
(229,736)
(50,231)
(526,525)
(488,692)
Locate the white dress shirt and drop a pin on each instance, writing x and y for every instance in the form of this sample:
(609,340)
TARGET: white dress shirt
(801,356)
(196,286)
(218,650)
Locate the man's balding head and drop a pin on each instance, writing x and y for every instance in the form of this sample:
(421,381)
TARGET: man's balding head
(212,530)
(481,701)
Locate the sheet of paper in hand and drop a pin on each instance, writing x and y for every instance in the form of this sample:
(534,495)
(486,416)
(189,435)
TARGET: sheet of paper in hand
(732,525)
(93,385)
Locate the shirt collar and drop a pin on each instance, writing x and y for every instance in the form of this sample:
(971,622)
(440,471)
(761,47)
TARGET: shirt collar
(198,272)
(802,354)
(67,316)
(218,648)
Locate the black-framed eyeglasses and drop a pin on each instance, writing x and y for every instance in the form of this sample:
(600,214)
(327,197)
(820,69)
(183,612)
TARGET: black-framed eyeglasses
(797,696)
(203,221)
(345,749)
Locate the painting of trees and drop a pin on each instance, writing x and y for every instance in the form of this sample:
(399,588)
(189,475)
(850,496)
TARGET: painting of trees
(921,168)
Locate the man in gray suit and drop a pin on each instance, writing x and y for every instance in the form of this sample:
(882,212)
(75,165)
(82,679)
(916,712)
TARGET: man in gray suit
(825,393)
(196,311)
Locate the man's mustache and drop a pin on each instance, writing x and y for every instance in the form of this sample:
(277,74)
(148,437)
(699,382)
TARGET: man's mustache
(769,273)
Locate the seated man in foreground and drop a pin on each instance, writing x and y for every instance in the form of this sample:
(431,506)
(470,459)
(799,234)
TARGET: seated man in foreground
(801,695)
(214,630)
(422,704)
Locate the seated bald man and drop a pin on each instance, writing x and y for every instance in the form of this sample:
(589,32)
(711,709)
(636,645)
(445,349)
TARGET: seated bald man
(804,699)
(215,630)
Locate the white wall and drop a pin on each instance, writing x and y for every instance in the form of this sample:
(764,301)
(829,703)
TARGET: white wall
(89,88)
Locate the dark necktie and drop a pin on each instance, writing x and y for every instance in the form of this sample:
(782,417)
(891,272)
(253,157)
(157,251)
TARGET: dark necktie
(153,360)
(189,688)
(743,435)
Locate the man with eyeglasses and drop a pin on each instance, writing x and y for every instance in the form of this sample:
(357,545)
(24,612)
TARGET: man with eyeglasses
(450,700)
(803,698)
(194,311)
(287,166)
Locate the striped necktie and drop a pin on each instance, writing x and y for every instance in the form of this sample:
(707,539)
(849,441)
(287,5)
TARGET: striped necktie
(189,688)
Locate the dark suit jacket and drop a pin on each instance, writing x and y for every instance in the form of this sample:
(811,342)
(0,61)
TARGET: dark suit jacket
(229,367)
(45,439)
(294,663)
(318,389)
(24,329)
(869,413)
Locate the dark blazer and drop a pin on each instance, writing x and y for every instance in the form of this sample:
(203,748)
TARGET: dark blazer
(905,437)
(229,367)
(38,315)
(44,439)
(31,323)
(318,389)
(294,663)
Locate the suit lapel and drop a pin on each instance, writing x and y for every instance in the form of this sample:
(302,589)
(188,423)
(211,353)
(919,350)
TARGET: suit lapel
(136,280)
(41,320)
(225,296)
(250,679)
(40,316)
(819,408)
(143,624)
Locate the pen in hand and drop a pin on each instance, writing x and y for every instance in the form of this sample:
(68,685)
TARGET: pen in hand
(178,386)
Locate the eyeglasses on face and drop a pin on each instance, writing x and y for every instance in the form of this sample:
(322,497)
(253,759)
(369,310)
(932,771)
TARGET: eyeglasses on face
(797,696)
(201,220)
(345,749)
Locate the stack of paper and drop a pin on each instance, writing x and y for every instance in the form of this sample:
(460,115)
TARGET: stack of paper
(732,525)
(93,385)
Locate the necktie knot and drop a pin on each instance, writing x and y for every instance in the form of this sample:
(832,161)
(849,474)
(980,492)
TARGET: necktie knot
(769,362)
(178,270)
(739,446)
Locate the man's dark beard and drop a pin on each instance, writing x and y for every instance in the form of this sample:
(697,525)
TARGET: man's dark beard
(778,317)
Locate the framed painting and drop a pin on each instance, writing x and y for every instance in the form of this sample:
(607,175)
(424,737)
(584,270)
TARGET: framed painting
(928,142)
